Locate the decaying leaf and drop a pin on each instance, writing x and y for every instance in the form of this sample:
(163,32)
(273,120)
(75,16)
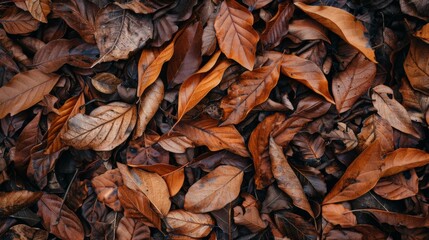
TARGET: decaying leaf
(196,225)
(12,202)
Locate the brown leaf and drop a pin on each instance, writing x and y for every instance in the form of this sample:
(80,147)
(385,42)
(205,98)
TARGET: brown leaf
(24,232)
(106,83)
(294,226)
(349,85)
(106,187)
(137,205)
(308,73)
(252,89)
(287,181)
(423,33)
(104,129)
(398,219)
(194,225)
(150,101)
(339,214)
(145,151)
(24,90)
(392,110)
(307,29)
(115,33)
(206,132)
(187,55)
(175,143)
(197,86)
(150,184)
(236,37)
(345,135)
(258,147)
(59,125)
(416,66)
(360,177)
(39,9)
(404,159)
(41,164)
(312,179)
(275,200)
(132,229)
(209,41)
(173,176)
(29,137)
(214,190)
(310,146)
(398,187)
(13,50)
(276,29)
(61,222)
(164,28)
(79,15)
(374,127)
(12,202)
(143,7)
(150,65)
(16,21)
(248,214)
(343,24)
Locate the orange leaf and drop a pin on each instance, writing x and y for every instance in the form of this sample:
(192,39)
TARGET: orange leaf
(235,34)
(278,26)
(39,9)
(252,89)
(206,132)
(342,23)
(106,187)
(24,90)
(360,177)
(339,214)
(12,202)
(404,159)
(398,187)
(195,225)
(416,66)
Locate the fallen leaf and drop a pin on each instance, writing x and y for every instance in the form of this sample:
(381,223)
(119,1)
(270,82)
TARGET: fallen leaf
(106,83)
(310,146)
(150,184)
(360,177)
(339,214)
(398,187)
(206,132)
(256,4)
(196,225)
(258,147)
(294,226)
(29,137)
(236,37)
(214,190)
(115,33)
(342,23)
(106,187)
(404,159)
(24,232)
(349,85)
(287,180)
(275,200)
(416,67)
(39,9)
(392,110)
(24,90)
(276,29)
(132,229)
(252,89)
(398,219)
(58,219)
(150,101)
(248,215)
(12,202)
(374,127)
(16,21)
(104,129)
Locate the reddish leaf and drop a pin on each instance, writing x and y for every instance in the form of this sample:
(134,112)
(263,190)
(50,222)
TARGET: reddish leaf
(278,26)
(61,222)
(194,225)
(339,214)
(106,187)
(397,187)
(416,66)
(29,137)
(252,89)
(39,9)
(404,159)
(236,37)
(374,127)
(12,202)
(132,229)
(16,21)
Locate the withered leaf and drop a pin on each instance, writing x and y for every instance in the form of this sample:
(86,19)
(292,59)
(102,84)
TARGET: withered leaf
(341,23)
(404,159)
(206,132)
(12,202)
(276,29)
(397,187)
(106,83)
(79,15)
(252,89)
(416,67)
(360,177)
(398,219)
(115,32)
(287,180)
(214,190)
(132,229)
(196,225)
(248,214)
(236,37)
(294,226)
(61,222)
(24,90)
(256,4)
(24,232)
(150,184)
(104,129)
(106,187)
(16,21)
(41,164)
(339,214)
(39,9)
(310,146)
(392,110)
(29,137)
(175,143)
(349,85)
(374,127)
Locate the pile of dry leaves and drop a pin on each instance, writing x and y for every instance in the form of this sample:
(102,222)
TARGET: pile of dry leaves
(234,119)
